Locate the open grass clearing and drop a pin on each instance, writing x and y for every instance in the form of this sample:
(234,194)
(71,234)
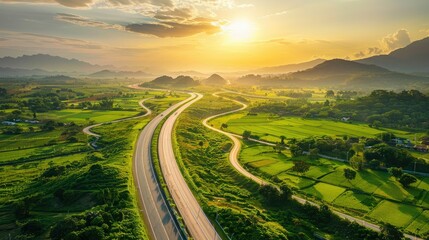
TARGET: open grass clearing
(400,215)
(84,116)
(270,128)
(325,192)
(357,201)
(420,225)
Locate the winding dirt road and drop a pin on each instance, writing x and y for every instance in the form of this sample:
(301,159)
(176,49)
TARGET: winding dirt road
(233,158)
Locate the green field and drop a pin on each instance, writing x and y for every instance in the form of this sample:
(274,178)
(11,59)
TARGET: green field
(84,116)
(371,192)
(90,182)
(325,192)
(270,128)
(395,213)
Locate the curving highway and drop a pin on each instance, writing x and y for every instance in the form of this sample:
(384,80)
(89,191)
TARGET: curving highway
(159,218)
(233,157)
(160,222)
(197,223)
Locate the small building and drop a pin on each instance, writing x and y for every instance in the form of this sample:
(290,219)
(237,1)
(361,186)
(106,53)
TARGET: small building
(345,119)
(8,123)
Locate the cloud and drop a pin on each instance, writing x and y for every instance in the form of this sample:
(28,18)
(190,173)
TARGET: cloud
(173,29)
(31,40)
(275,14)
(391,42)
(369,52)
(399,39)
(82,21)
(177,14)
(75,3)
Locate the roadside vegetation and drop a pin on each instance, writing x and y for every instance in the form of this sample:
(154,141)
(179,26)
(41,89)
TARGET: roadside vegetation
(53,185)
(364,174)
(237,205)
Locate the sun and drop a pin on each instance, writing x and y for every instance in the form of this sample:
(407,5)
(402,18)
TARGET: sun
(239,30)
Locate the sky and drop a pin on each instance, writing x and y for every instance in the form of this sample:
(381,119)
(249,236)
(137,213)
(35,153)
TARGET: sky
(209,35)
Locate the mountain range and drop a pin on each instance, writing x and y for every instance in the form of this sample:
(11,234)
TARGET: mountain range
(339,73)
(118,74)
(50,64)
(289,67)
(413,58)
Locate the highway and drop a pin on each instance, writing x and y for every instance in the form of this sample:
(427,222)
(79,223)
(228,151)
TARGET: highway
(159,220)
(197,223)
(233,158)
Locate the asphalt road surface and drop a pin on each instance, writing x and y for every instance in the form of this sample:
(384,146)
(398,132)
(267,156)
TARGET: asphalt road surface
(159,219)
(197,223)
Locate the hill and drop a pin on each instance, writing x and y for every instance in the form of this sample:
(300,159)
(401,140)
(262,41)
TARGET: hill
(410,59)
(215,79)
(338,73)
(169,82)
(289,67)
(119,74)
(18,72)
(49,63)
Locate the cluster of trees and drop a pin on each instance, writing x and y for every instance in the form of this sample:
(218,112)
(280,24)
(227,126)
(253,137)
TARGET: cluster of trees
(274,195)
(380,108)
(103,104)
(91,225)
(44,104)
(404,178)
(294,94)
(389,156)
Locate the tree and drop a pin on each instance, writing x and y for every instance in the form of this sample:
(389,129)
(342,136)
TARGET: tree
(295,150)
(3,92)
(395,172)
(374,164)
(407,179)
(282,139)
(358,148)
(32,227)
(224,125)
(246,134)
(300,167)
(330,94)
(201,143)
(48,126)
(278,147)
(357,162)
(313,153)
(349,174)
(390,232)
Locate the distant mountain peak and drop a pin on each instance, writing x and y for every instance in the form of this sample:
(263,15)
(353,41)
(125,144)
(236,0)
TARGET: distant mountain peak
(412,58)
(215,79)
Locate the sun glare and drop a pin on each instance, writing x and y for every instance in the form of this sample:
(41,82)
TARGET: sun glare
(239,30)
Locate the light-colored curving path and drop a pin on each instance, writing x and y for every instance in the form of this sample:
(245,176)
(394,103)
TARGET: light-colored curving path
(87,130)
(233,158)
(196,221)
